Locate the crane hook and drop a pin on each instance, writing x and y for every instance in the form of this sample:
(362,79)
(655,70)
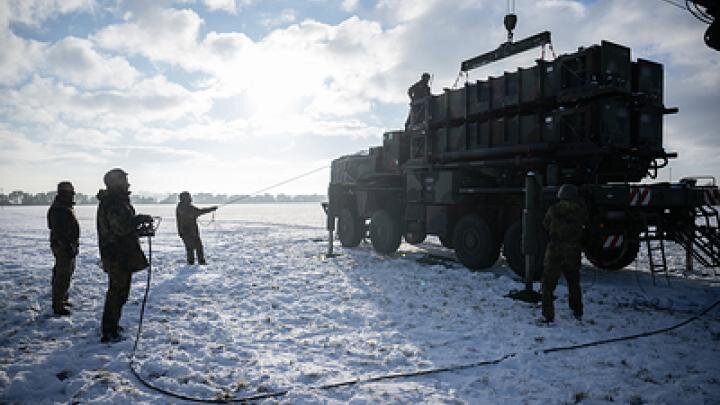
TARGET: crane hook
(510,22)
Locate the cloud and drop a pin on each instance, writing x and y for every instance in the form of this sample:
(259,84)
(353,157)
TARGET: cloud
(72,59)
(283,18)
(349,5)
(75,60)
(347,55)
(575,7)
(161,35)
(224,5)
(226,46)
(42,164)
(51,106)
(19,149)
(401,11)
(35,12)
(18,57)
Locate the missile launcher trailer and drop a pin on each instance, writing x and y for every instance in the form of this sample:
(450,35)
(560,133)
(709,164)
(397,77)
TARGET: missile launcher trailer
(593,118)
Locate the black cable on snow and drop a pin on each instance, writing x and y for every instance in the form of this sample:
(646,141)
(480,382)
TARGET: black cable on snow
(416,373)
(635,336)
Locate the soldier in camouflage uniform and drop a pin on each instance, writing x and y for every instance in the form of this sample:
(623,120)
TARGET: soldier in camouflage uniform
(120,250)
(186,216)
(417,92)
(564,222)
(64,242)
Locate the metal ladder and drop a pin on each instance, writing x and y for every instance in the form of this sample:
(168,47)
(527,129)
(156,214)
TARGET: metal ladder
(702,237)
(655,233)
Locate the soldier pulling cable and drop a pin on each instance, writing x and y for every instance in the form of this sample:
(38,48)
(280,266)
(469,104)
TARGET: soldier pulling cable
(186,216)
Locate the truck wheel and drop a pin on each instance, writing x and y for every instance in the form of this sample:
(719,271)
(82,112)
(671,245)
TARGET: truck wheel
(415,238)
(384,232)
(512,250)
(475,246)
(350,228)
(446,241)
(612,259)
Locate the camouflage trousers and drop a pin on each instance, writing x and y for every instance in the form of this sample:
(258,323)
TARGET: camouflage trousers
(561,259)
(193,244)
(416,114)
(61,275)
(119,279)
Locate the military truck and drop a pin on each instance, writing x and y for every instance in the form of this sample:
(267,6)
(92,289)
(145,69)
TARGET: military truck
(593,118)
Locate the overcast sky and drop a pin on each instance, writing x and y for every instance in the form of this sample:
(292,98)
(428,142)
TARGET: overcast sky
(228,96)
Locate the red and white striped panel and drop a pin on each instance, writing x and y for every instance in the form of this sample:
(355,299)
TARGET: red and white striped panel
(613,241)
(640,196)
(712,197)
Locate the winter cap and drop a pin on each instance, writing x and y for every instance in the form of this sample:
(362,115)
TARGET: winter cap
(114,177)
(65,187)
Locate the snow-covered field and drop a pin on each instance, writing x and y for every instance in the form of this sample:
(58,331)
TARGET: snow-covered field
(269,313)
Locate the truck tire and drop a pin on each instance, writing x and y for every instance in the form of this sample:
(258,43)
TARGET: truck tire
(612,259)
(512,250)
(384,232)
(350,228)
(474,244)
(415,238)
(446,241)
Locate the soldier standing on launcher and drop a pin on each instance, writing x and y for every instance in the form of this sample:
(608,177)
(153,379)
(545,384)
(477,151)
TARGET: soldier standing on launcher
(417,92)
(564,222)
(120,250)
(186,216)
(64,242)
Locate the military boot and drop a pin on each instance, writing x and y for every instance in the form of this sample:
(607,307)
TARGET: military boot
(201,256)
(111,338)
(61,311)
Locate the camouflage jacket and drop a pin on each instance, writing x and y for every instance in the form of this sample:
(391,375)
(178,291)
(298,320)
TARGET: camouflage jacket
(118,243)
(564,222)
(64,227)
(186,216)
(418,91)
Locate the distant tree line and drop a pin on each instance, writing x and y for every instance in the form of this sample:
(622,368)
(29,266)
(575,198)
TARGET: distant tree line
(22,198)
